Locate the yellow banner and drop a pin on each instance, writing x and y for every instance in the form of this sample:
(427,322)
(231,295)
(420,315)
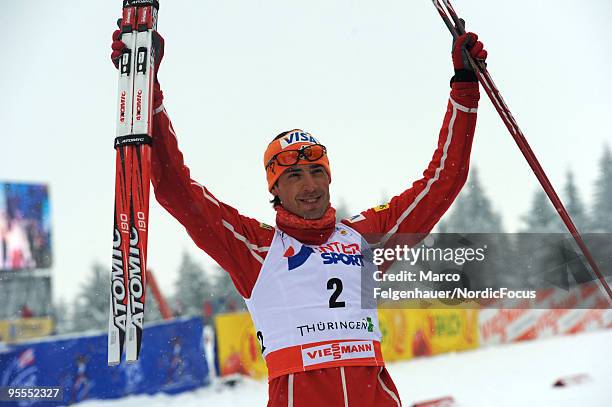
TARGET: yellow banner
(422,332)
(238,349)
(406,333)
(398,329)
(23,329)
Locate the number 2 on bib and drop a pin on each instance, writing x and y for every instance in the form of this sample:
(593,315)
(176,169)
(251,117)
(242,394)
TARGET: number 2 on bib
(336,285)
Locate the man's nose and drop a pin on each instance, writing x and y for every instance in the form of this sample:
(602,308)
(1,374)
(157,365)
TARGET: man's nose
(308,183)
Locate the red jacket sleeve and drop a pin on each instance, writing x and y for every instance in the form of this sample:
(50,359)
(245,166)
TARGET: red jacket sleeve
(418,209)
(238,243)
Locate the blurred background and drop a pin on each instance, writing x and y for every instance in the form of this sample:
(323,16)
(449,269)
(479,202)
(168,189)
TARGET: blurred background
(370,80)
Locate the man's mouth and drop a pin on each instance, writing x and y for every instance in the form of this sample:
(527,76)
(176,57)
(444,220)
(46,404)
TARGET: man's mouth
(310,200)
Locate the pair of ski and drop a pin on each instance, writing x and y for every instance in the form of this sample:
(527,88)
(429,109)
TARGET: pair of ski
(133,163)
(456,27)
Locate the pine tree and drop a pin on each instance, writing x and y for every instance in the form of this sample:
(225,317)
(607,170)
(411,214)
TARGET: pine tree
(472,216)
(226,298)
(574,206)
(192,287)
(152,312)
(91,305)
(541,251)
(472,212)
(61,317)
(542,216)
(602,208)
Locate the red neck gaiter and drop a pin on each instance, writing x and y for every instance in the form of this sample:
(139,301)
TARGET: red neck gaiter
(308,231)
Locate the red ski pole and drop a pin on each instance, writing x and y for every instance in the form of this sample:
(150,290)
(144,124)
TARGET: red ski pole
(485,79)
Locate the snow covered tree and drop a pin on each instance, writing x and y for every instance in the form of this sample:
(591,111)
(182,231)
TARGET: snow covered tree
(602,208)
(472,216)
(542,251)
(198,289)
(61,317)
(542,216)
(226,298)
(574,204)
(192,287)
(152,312)
(472,212)
(90,309)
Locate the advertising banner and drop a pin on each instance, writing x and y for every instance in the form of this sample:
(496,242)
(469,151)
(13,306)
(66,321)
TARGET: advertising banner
(23,329)
(25,227)
(171,360)
(559,313)
(238,350)
(499,326)
(409,333)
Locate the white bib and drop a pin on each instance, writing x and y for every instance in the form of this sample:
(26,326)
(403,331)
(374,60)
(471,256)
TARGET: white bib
(306,305)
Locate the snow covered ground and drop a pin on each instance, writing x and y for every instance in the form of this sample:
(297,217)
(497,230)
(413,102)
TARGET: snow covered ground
(512,375)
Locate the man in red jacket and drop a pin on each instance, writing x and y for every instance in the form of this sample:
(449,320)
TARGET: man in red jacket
(301,279)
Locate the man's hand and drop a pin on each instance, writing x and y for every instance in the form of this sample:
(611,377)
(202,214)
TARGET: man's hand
(118,47)
(464,45)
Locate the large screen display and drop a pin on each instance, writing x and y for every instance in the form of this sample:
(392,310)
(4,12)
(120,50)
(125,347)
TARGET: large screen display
(25,227)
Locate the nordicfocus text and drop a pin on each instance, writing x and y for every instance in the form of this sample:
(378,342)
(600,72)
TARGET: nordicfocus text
(458,293)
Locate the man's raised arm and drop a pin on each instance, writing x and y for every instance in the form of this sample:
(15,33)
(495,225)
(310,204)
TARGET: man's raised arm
(418,209)
(238,243)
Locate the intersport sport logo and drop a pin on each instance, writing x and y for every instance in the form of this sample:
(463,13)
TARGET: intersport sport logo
(332,352)
(331,253)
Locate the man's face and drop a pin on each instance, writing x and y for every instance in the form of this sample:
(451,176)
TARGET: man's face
(304,190)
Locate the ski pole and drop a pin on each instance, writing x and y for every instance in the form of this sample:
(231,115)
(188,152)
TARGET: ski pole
(490,88)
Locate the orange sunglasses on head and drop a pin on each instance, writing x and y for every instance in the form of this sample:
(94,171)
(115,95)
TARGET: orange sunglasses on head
(291,157)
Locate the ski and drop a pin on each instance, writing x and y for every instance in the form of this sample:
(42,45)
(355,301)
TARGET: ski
(456,27)
(119,302)
(132,180)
